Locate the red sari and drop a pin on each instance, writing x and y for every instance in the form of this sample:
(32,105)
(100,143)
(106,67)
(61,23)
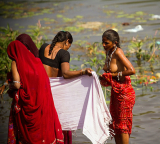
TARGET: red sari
(121,103)
(33,117)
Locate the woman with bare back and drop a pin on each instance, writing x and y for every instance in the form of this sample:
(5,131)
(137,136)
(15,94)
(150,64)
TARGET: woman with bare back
(55,59)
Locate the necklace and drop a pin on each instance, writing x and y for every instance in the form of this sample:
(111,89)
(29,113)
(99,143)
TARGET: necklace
(109,57)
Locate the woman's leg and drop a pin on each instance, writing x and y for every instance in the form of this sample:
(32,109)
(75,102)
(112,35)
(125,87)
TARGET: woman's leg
(67,137)
(122,138)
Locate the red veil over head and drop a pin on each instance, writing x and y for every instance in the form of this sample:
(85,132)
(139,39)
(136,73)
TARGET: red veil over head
(37,122)
(27,41)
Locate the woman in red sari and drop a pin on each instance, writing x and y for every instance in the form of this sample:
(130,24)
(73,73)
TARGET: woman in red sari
(117,71)
(33,118)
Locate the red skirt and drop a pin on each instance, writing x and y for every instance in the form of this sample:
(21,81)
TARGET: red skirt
(121,103)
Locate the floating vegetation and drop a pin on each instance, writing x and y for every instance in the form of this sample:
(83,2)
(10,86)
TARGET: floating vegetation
(22,10)
(79,17)
(90,25)
(73,29)
(80,43)
(55,4)
(138,16)
(21,27)
(48,20)
(69,20)
(109,12)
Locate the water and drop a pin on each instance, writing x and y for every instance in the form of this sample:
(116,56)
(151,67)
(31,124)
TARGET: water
(146,120)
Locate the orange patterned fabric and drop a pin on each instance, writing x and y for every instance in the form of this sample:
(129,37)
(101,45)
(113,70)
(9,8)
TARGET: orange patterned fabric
(121,103)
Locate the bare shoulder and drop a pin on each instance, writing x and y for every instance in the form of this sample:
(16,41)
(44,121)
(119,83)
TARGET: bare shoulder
(119,52)
(47,48)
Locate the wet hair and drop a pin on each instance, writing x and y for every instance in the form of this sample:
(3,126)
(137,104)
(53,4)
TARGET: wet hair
(113,36)
(60,37)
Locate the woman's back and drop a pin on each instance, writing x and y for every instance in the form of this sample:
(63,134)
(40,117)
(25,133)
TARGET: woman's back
(52,62)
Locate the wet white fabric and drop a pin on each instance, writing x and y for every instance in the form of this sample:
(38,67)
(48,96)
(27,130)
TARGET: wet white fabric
(80,104)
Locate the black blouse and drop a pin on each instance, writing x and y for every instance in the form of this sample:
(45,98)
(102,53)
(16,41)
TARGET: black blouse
(62,56)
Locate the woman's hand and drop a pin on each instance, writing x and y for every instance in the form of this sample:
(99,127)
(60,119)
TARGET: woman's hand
(114,74)
(100,77)
(2,88)
(88,71)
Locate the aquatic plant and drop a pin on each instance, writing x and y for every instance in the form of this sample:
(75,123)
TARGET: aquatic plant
(69,20)
(7,35)
(37,33)
(144,49)
(22,10)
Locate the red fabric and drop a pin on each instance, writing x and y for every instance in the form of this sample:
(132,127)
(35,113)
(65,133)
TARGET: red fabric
(67,137)
(121,103)
(35,116)
(27,41)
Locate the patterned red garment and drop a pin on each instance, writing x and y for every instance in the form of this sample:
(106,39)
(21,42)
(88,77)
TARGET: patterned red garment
(121,103)
(33,117)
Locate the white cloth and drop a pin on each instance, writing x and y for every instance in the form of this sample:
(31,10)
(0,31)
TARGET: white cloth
(80,104)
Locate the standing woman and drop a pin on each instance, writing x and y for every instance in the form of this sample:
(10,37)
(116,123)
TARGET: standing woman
(117,74)
(55,59)
(27,41)
(33,118)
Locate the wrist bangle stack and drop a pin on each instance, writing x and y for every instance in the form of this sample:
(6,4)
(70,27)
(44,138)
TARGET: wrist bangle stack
(83,71)
(5,84)
(119,75)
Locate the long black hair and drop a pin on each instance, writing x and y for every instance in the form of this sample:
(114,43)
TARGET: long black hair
(60,37)
(113,36)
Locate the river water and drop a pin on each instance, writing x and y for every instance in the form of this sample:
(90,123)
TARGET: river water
(146,120)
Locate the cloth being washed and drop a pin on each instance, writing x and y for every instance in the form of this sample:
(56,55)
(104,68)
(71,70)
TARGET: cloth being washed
(80,104)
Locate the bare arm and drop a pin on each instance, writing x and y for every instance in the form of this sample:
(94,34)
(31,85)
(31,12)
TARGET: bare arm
(2,88)
(65,67)
(129,67)
(16,78)
(105,68)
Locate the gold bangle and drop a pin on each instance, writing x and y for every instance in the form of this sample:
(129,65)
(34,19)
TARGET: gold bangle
(83,71)
(5,84)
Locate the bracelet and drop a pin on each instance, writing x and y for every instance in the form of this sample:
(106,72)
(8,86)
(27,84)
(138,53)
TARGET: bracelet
(119,75)
(83,71)
(16,82)
(5,84)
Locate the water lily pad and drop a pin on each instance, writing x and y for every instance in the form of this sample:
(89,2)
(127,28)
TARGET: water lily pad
(74,29)
(60,16)
(90,25)
(79,17)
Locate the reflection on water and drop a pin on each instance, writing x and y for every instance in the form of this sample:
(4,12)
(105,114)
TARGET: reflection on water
(146,120)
